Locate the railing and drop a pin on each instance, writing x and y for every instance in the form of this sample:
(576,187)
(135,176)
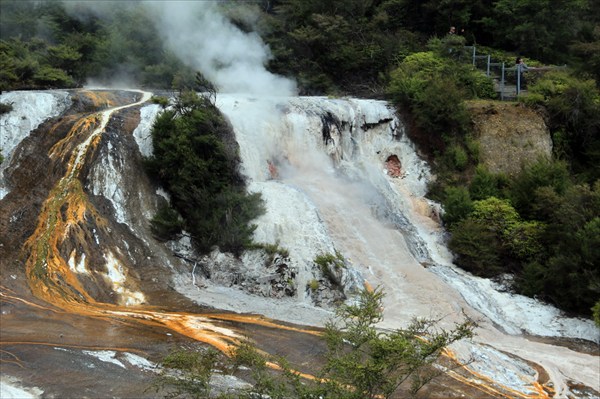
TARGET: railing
(501,69)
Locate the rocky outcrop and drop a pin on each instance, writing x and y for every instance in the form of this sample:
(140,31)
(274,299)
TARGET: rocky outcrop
(256,272)
(509,135)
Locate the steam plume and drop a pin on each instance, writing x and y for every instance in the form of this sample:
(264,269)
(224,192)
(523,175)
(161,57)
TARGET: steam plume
(205,40)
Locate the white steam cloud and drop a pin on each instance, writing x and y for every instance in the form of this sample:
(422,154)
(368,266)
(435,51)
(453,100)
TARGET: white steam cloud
(205,40)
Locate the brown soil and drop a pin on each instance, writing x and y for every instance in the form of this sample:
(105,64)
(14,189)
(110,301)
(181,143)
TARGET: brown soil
(510,135)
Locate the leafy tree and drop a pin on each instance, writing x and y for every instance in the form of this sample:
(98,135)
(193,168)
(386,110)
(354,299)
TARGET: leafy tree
(457,205)
(574,108)
(361,362)
(542,173)
(543,29)
(485,184)
(569,275)
(587,52)
(434,87)
(166,224)
(200,171)
(494,235)
(478,249)
(186,373)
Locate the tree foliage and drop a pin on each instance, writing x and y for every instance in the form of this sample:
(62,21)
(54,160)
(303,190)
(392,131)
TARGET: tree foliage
(186,373)
(194,161)
(549,239)
(544,29)
(43,45)
(361,361)
(573,105)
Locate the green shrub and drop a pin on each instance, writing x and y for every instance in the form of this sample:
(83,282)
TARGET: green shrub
(271,250)
(457,205)
(532,99)
(484,184)
(520,238)
(434,90)
(504,238)
(458,156)
(200,172)
(523,239)
(542,173)
(192,373)
(5,108)
(325,260)
(481,85)
(360,361)
(246,355)
(166,223)
(573,105)
(52,77)
(473,148)
(329,265)
(531,280)
(497,214)
(439,109)
(478,248)
(160,100)
(413,74)
(449,46)
(596,313)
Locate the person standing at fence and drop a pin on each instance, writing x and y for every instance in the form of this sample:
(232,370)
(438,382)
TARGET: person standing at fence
(521,67)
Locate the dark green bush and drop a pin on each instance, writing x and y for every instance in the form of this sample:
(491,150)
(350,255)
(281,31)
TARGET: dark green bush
(434,89)
(200,171)
(458,157)
(160,100)
(565,272)
(574,108)
(542,173)
(478,248)
(531,280)
(5,108)
(484,184)
(457,205)
(166,223)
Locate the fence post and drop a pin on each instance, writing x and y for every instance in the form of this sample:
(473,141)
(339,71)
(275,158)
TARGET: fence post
(489,60)
(474,52)
(502,84)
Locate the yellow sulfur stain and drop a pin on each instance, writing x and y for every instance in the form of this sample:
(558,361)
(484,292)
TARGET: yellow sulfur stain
(79,129)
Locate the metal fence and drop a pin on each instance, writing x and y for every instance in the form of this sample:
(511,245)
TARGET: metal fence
(508,83)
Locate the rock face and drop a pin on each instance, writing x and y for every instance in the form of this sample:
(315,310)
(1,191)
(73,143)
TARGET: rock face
(510,135)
